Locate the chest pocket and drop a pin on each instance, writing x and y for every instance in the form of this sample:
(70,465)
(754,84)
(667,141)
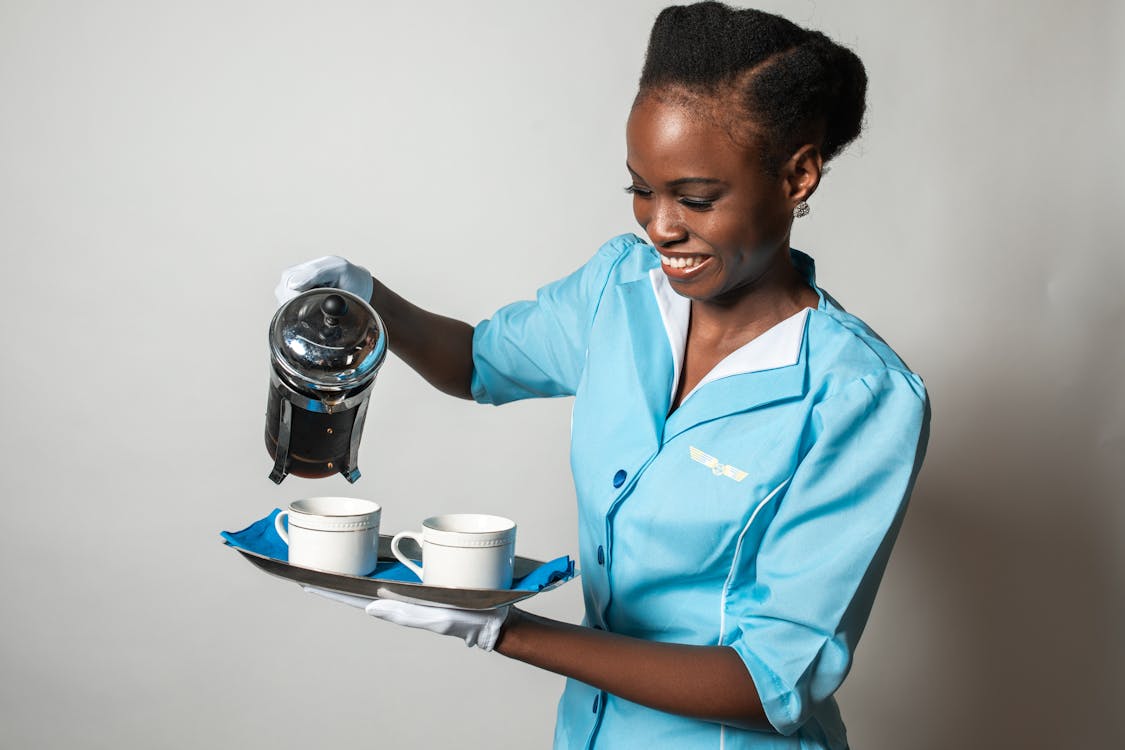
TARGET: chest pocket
(695,500)
(721,489)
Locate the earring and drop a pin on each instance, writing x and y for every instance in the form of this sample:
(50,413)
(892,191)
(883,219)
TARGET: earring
(801,209)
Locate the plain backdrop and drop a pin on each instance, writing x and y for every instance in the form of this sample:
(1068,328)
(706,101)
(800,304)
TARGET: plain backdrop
(161,163)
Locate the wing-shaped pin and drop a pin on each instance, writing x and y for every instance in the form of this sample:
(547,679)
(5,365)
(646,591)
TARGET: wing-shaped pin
(712,463)
(707,460)
(736,474)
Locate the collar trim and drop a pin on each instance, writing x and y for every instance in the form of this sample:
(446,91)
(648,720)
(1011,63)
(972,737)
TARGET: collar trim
(780,346)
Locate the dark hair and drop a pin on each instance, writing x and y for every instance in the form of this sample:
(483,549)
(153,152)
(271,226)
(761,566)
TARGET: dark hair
(795,86)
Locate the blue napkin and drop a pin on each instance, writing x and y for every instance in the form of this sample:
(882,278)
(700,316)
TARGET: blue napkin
(261,538)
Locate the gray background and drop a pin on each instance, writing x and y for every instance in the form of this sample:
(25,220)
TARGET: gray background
(160,163)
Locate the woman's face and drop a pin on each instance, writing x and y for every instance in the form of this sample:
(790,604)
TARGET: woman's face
(708,206)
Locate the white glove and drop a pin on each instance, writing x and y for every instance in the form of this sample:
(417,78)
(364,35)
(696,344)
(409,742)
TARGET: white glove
(476,628)
(329,271)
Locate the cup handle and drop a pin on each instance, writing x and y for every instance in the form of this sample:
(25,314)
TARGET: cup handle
(416,536)
(277,524)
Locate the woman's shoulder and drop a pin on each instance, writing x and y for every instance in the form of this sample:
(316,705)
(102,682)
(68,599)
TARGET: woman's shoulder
(843,348)
(621,259)
(627,254)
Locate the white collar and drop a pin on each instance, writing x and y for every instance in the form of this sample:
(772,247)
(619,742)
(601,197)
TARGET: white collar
(780,346)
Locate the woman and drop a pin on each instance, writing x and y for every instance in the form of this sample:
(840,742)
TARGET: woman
(743,448)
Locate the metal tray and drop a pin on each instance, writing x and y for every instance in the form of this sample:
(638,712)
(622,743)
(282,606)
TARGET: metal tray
(476,599)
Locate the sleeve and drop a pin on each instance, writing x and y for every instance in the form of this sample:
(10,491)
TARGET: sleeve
(537,348)
(799,605)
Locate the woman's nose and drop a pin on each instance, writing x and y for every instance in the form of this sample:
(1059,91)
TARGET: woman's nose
(663,225)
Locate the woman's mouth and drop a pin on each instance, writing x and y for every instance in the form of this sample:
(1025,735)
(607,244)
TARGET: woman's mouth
(683,266)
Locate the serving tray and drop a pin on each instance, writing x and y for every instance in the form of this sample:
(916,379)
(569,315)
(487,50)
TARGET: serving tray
(374,588)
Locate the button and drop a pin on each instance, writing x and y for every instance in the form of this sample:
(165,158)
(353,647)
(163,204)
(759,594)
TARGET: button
(619,478)
(601,555)
(597,702)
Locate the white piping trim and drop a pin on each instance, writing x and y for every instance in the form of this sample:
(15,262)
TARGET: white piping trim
(737,552)
(730,576)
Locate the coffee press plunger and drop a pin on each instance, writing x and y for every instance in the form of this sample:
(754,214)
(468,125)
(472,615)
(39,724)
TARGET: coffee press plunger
(326,346)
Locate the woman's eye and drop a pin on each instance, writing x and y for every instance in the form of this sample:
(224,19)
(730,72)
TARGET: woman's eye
(638,191)
(697,204)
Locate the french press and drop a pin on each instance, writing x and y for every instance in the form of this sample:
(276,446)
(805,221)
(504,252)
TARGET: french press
(326,346)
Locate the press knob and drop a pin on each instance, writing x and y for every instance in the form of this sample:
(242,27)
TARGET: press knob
(333,307)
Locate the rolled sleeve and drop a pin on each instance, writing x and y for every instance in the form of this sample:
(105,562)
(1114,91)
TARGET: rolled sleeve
(799,605)
(537,348)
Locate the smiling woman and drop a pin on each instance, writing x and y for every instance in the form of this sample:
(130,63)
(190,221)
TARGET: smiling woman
(720,223)
(701,198)
(743,449)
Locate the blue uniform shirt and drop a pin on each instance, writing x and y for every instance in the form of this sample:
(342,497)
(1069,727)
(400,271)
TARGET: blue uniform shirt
(758,515)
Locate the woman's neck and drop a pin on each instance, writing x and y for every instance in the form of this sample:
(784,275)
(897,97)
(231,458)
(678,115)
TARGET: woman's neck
(778,293)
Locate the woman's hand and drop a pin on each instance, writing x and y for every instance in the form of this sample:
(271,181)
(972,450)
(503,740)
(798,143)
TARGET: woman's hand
(439,349)
(480,629)
(328,271)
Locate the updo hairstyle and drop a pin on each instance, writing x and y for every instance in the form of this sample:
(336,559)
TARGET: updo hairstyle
(790,85)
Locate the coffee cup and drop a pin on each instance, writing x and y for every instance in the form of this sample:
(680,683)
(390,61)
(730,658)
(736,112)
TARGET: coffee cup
(334,534)
(463,550)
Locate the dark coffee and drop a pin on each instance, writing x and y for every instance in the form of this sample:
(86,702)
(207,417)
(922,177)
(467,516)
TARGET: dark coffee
(318,442)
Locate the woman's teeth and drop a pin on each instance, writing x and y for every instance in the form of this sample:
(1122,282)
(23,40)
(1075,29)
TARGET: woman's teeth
(690,261)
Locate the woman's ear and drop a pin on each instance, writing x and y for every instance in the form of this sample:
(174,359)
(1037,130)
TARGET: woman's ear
(802,174)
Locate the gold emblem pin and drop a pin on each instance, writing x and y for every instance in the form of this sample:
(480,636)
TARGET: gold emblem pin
(718,469)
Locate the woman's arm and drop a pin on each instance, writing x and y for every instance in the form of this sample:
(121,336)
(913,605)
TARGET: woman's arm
(439,349)
(702,682)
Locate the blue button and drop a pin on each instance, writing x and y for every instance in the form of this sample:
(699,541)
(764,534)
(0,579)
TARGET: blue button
(597,702)
(619,478)
(601,555)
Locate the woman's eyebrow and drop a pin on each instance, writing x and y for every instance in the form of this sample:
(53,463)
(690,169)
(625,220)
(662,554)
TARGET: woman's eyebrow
(695,181)
(683,180)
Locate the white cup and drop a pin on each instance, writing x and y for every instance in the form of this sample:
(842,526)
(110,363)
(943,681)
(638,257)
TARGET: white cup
(463,550)
(336,534)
